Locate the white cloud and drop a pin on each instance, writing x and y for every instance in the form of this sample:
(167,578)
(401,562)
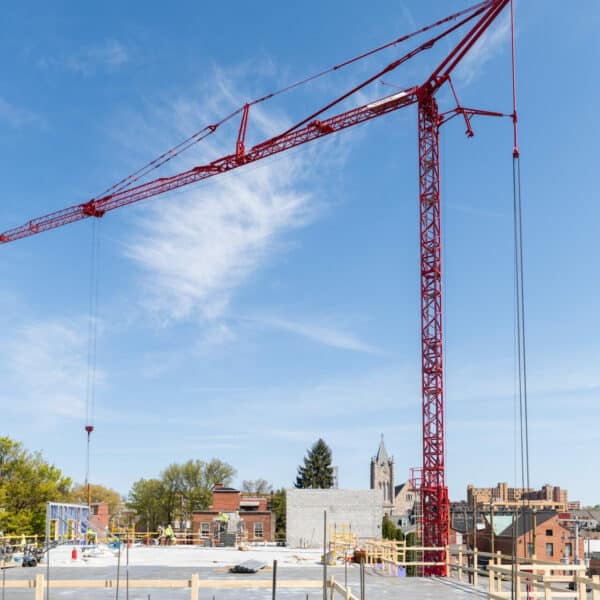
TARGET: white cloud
(16,116)
(45,370)
(485,49)
(326,334)
(106,56)
(197,247)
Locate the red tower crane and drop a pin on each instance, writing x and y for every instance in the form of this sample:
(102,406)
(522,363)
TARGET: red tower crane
(433,490)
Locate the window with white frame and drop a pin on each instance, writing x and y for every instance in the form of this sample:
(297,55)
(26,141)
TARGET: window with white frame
(258,531)
(205,529)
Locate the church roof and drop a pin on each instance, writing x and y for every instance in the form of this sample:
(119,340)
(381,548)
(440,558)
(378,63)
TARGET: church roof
(382,455)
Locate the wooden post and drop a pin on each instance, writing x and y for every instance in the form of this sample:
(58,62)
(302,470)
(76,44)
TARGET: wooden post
(194,587)
(491,577)
(460,562)
(499,563)
(475,568)
(39,586)
(448,571)
(325,555)
(547,590)
(332,588)
(348,593)
(581,593)
(517,582)
(595,591)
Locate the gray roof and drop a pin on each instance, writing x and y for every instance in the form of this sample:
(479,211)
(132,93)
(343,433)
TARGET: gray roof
(587,514)
(524,522)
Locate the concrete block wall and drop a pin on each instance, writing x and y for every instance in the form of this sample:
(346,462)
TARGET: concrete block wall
(361,509)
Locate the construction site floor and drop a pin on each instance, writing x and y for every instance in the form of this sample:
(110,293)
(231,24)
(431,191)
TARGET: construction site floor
(178,564)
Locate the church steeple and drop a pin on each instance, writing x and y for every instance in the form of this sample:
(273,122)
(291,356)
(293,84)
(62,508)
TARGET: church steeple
(382,476)
(382,455)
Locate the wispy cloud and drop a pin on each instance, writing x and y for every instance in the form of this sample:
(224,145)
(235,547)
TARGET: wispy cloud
(322,333)
(17,116)
(485,49)
(44,370)
(105,56)
(196,248)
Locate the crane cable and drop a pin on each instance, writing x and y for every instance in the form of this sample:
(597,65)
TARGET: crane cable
(521,398)
(92,351)
(203,133)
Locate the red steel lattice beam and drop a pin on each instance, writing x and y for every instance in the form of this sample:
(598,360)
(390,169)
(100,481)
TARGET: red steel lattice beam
(434,493)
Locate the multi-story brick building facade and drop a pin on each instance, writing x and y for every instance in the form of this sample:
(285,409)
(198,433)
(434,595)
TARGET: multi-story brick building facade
(232,518)
(548,497)
(541,531)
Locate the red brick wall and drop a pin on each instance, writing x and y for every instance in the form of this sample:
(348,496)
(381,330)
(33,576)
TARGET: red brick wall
(226,501)
(504,544)
(250,518)
(100,514)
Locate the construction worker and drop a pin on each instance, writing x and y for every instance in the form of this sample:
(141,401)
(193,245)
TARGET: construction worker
(169,535)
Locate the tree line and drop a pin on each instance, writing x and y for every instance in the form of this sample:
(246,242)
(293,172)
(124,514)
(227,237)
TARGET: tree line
(28,481)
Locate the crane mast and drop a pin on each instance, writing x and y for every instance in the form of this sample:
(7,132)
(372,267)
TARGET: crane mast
(433,493)
(433,490)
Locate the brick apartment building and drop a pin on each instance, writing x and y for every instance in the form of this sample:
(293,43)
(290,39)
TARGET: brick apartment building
(547,497)
(552,539)
(233,518)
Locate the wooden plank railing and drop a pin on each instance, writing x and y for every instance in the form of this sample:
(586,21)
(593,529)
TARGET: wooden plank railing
(195,584)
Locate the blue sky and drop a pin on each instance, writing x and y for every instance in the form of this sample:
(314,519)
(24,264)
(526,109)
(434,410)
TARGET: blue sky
(245,317)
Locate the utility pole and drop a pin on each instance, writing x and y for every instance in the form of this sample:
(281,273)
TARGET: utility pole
(575,537)
(474,509)
(534,532)
(492,533)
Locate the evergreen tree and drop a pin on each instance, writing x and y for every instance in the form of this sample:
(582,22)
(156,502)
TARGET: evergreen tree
(389,530)
(316,472)
(278,503)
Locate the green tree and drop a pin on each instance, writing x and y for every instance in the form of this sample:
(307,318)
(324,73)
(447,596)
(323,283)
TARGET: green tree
(98,493)
(147,498)
(27,482)
(181,489)
(278,506)
(411,555)
(316,472)
(390,531)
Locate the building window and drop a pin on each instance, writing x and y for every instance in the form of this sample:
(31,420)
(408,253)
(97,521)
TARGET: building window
(205,530)
(258,531)
(409,497)
(550,549)
(549,532)
(568,549)
(529,549)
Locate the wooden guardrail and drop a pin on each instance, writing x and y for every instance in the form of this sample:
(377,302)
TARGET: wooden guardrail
(195,584)
(393,554)
(530,578)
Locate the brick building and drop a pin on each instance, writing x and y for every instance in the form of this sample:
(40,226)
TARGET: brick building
(552,539)
(99,519)
(547,497)
(233,518)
